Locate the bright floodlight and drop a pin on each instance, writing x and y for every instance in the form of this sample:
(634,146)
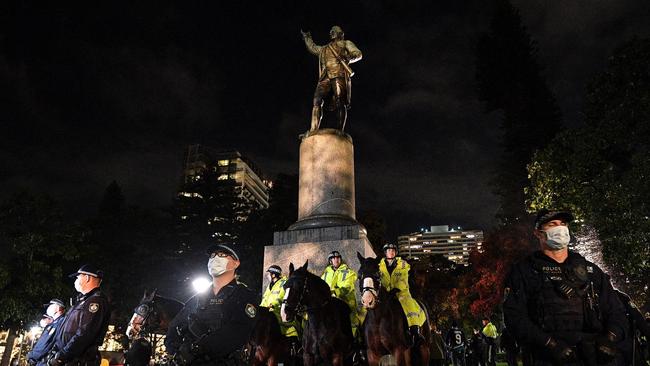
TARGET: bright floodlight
(201,284)
(35,330)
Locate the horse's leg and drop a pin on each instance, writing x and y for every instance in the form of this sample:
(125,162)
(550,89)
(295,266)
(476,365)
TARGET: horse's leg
(425,354)
(337,359)
(258,356)
(272,361)
(402,356)
(307,359)
(373,358)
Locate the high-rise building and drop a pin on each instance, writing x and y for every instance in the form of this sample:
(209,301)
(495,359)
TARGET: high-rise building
(219,190)
(453,243)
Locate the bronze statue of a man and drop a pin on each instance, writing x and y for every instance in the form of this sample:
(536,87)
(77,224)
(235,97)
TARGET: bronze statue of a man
(334,74)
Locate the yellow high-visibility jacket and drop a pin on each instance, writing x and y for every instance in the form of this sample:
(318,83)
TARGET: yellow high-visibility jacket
(272,299)
(342,282)
(399,279)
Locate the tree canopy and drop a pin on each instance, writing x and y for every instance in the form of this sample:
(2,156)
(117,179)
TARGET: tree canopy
(600,170)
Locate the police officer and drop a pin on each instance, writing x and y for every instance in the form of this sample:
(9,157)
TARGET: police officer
(394,274)
(84,326)
(213,326)
(456,344)
(272,299)
(559,306)
(54,312)
(489,331)
(342,281)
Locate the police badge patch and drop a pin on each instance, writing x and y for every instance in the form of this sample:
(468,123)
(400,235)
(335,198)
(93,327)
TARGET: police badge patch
(250,310)
(93,307)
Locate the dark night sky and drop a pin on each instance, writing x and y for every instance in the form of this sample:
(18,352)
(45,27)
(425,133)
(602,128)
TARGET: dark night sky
(116,92)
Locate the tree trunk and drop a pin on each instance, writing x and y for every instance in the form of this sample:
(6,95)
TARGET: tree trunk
(11,338)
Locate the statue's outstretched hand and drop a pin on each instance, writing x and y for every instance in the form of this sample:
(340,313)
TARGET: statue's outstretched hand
(305,34)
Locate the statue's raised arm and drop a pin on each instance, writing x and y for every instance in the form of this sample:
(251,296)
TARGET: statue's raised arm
(334,74)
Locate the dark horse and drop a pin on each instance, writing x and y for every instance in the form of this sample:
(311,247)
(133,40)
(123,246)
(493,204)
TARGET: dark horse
(152,316)
(267,345)
(385,327)
(328,332)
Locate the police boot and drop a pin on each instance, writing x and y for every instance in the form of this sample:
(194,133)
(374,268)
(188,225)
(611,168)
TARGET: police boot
(415,331)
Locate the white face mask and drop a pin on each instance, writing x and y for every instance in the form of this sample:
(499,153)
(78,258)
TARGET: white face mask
(217,266)
(557,237)
(77,283)
(52,310)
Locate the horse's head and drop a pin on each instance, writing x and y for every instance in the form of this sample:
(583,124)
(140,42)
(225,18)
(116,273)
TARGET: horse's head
(369,281)
(141,314)
(294,292)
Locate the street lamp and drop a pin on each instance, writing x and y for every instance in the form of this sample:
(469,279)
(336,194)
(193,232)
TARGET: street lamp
(201,284)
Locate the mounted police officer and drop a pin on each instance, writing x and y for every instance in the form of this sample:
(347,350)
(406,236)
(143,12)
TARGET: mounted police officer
(342,281)
(560,306)
(84,326)
(213,326)
(272,299)
(38,354)
(394,274)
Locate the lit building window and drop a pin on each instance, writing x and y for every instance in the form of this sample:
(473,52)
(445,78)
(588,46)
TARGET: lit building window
(224,162)
(223,177)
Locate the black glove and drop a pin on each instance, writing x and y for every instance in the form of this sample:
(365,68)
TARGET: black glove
(54,361)
(606,347)
(560,351)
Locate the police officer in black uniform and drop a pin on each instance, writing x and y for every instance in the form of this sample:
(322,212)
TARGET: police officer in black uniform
(84,326)
(214,326)
(43,347)
(559,306)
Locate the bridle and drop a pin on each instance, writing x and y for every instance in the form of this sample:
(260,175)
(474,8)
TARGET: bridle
(298,307)
(144,310)
(374,291)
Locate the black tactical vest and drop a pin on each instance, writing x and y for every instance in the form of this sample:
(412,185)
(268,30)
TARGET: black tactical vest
(564,299)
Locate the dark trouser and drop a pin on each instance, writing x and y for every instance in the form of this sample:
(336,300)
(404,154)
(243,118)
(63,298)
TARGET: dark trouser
(458,357)
(490,353)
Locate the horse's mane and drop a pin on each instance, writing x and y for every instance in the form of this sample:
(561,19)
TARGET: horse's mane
(175,304)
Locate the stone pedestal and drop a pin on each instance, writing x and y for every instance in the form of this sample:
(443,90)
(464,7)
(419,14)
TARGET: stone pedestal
(326,208)
(326,183)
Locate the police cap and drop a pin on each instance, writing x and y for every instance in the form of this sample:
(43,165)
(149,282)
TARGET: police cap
(55,302)
(544,216)
(88,269)
(221,248)
(275,269)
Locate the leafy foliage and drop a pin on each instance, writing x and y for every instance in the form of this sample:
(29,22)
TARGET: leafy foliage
(600,170)
(502,247)
(37,248)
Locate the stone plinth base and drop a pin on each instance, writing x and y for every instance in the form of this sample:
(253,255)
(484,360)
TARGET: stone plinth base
(297,246)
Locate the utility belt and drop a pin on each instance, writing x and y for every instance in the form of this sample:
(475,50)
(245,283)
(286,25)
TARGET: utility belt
(90,357)
(583,345)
